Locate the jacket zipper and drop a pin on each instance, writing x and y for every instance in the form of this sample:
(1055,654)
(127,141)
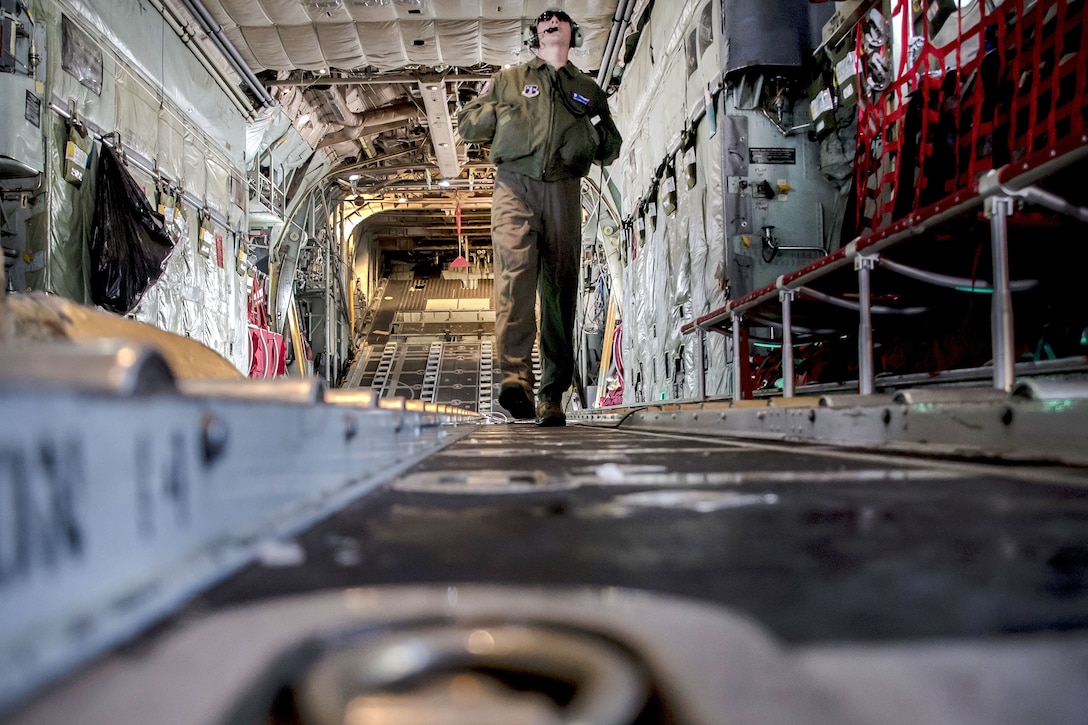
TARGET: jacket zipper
(552,83)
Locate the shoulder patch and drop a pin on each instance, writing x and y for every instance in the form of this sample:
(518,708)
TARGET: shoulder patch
(531,90)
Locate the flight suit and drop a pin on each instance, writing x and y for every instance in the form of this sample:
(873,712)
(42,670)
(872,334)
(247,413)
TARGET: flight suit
(546,127)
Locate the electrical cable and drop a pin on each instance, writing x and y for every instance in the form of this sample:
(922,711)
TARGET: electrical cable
(622,420)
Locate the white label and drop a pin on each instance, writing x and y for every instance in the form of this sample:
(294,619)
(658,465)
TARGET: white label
(846,68)
(689,156)
(76,155)
(822,103)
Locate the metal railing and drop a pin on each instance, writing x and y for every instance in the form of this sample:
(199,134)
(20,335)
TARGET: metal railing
(996,192)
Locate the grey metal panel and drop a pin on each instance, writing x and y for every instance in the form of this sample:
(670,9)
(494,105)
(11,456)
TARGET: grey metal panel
(100,366)
(738,214)
(979,423)
(136,501)
(21,142)
(741,270)
(735,145)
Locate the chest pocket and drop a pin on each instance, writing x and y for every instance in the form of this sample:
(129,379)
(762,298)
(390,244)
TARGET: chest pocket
(577,94)
(513,133)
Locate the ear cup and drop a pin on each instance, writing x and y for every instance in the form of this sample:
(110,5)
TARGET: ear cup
(576,37)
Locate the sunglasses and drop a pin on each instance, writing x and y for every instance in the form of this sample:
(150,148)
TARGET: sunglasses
(549,14)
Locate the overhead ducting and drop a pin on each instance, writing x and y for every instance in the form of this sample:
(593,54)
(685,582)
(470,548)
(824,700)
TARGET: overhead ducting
(371,122)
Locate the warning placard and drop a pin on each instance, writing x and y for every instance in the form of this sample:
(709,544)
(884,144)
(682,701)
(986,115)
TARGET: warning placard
(772,156)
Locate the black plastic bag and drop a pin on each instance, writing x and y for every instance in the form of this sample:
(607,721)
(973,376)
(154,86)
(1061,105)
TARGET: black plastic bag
(129,245)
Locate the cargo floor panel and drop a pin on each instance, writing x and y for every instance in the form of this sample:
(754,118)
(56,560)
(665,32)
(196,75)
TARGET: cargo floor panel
(818,545)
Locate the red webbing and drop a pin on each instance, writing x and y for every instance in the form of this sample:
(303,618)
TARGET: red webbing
(1080,67)
(1036,75)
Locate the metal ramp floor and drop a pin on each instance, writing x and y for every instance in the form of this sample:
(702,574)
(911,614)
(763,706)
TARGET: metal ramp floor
(459,373)
(750,582)
(817,544)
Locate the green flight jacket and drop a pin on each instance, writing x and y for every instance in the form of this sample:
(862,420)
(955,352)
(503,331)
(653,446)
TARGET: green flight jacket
(545,123)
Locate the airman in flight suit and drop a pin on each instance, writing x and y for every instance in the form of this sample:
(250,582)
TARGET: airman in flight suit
(547,123)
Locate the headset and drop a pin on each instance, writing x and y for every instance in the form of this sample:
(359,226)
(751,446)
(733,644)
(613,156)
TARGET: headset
(532,39)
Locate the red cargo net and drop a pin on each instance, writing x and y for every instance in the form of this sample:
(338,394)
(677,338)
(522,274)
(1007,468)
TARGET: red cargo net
(1011,86)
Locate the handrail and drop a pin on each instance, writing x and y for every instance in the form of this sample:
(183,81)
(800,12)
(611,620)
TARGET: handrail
(997,182)
(855,306)
(945,280)
(995,190)
(910,226)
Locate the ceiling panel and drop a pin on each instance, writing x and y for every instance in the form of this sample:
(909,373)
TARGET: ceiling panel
(284,35)
(388,133)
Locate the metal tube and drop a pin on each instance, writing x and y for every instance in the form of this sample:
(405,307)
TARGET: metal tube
(1044,198)
(864,266)
(328,295)
(215,33)
(613,38)
(786,296)
(236,96)
(737,373)
(944,280)
(700,367)
(338,290)
(584,365)
(620,22)
(377,79)
(847,304)
(1001,208)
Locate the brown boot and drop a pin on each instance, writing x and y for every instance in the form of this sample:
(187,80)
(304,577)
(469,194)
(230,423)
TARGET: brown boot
(550,413)
(513,397)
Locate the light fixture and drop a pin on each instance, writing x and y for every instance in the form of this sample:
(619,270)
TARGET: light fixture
(402,199)
(303,119)
(443,144)
(353,177)
(433,87)
(444,183)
